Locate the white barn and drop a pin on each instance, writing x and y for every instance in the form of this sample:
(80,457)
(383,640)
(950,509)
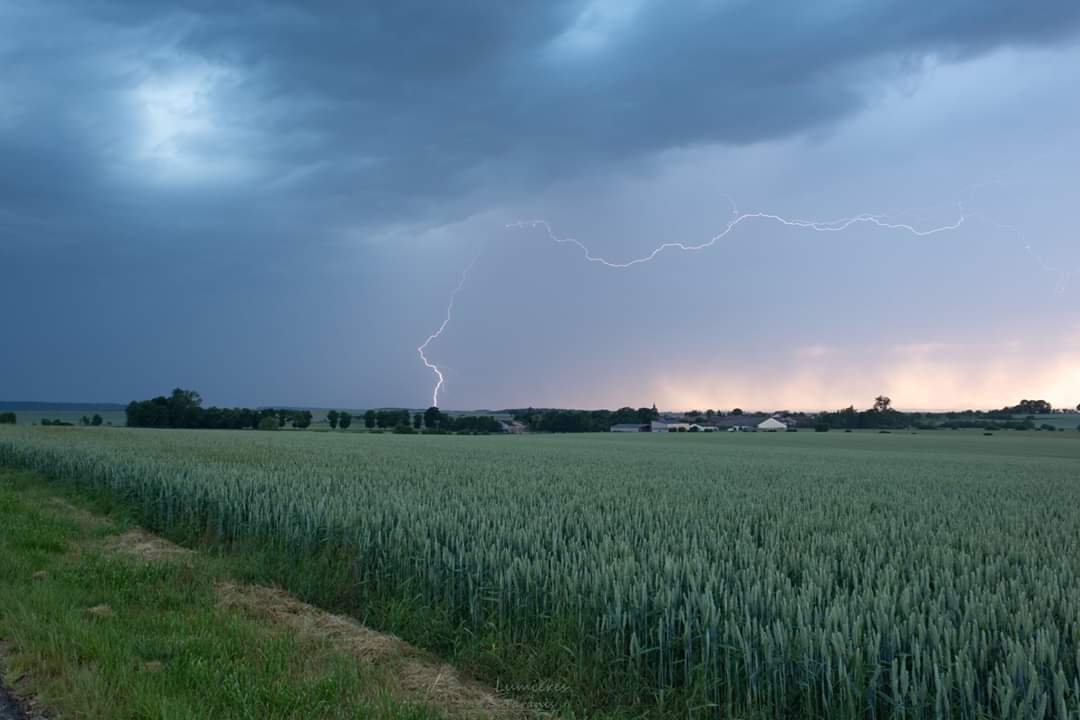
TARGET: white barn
(771,425)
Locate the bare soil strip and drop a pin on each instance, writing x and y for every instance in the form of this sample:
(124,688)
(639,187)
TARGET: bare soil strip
(418,676)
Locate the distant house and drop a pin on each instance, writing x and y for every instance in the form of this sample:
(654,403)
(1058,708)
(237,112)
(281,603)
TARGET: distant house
(771,425)
(629,427)
(668,426)
(694,427)
(512,426)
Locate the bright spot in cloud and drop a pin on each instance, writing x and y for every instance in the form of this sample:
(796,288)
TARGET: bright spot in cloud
(183,135)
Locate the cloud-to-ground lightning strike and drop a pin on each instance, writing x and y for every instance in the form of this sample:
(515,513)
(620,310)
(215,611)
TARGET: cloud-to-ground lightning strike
(446,321)
(840,224)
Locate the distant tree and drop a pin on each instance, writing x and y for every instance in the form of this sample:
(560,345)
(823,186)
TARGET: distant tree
(737,412)
(96,420)
(644,415)
(433,417)
(710,414)
(269,422)
(1031,407)
(882,403)
(184,408)
(302,419)
(332,418)
(369,419)
(344,420)
(418,420)
(84,421)
(7,418)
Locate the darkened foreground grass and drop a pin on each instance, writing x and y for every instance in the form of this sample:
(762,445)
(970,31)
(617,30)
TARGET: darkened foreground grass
(792,575)
(96,636)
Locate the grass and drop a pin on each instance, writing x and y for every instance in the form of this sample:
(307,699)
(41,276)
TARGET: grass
(99,636)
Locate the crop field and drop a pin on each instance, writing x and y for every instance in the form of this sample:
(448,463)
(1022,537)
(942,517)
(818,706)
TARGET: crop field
(34,417)
(831,575)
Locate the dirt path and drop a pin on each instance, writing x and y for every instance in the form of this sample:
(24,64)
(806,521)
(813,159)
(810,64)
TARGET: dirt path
(417,675)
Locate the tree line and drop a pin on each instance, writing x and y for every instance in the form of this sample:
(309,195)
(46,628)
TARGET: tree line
(431,421)
(7,418)
(183,409)
(882,416)
(578,421)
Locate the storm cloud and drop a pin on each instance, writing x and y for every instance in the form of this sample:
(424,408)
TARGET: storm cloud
(195,174)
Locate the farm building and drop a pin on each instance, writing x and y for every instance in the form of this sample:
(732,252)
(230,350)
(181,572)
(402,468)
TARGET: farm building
(629,427)
(694,427)
(771,425)
(512,426)
(668,426)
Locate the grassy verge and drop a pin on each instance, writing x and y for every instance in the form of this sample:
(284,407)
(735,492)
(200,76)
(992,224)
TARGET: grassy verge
(93,635)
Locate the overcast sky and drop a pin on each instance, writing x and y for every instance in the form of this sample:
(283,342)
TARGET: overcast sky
(272,202)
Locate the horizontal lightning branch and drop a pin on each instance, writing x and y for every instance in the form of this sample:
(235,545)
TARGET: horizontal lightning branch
(818,226)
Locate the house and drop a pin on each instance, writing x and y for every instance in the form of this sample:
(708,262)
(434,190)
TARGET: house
(512,426)
(668,426)
(771,425)
(629,427)
(694,427)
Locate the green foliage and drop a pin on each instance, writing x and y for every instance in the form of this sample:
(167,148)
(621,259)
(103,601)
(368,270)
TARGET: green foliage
(344,420)
(7,418)
(370,419)
(388,418)
(269,423)
(332,419)
(758,575)
(183,409)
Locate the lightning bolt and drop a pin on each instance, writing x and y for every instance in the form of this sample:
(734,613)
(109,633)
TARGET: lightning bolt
(440,380)
(1063,276)
(837,225)
(738,218)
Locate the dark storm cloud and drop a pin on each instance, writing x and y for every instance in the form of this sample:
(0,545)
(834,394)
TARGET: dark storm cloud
(177,179)
(363,114)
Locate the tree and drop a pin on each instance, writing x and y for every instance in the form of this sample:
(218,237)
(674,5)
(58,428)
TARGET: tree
(96,420)
(882,404)
(301,419)
(184,408)
(710,414)
(269,422)
(369,419)
(344,420)
(737,412)
(84,421)
(7,418)
(433,417)
(332,418)
(418,420)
